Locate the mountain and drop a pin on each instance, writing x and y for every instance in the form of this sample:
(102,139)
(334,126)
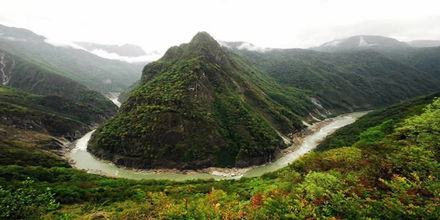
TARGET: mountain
(201,106)
(34,78)
(33,127)
(424,43)
(353,79)
(97,73)
(425,59)
(52,115)
(126,50)
(421,55)
(361,42)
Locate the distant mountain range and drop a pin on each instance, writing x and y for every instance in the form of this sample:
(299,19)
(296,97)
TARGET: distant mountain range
(358,72)
(372,42)
(361,42)
(424,43)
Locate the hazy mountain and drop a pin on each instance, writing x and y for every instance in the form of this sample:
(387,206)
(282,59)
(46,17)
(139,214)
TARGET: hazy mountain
(361,42)
(355,79)
(424,43)
(201,106)
(34,78)
(420,55)
(103,75)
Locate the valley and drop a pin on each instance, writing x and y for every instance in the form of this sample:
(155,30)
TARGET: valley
(81,159)
(219,130)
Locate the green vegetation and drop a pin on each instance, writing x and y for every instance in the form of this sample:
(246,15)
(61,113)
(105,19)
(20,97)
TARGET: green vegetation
(354,79)
(201,106)
(25,202)
(36,79)
(393,114)
(97,73)
(33,126)
(390,172)
(48,114)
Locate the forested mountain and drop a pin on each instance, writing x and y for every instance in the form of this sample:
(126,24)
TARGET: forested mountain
(201,95)
(421,55)
(95,72)
(201,106)
(354,79)
(32,78)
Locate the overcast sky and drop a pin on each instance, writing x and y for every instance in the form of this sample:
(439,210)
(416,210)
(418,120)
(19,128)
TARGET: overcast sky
(157,25)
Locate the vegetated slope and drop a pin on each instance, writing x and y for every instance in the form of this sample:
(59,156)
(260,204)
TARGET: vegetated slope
(103,75)
(356,79)
(123,96)
(36,79)
(202,106)
(31,126)
(423,58)
(47,114)
(390,172)
(350,134)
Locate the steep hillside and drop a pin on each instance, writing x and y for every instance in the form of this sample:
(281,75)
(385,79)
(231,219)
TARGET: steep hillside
(33,126)
(202,106)
(53,115)
(97,73)
(421,55)
(424,59)
(32,78)
(356,79)
(394,114)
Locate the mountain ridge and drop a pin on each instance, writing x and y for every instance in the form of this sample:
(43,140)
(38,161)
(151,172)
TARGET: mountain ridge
(199,106)
(97,73)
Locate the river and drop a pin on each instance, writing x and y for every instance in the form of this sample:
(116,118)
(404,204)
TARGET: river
(82,159)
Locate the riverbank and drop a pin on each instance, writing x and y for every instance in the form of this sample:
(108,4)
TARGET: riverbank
(303,142)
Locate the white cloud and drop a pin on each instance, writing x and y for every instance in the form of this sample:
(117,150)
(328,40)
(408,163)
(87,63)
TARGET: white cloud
(157,25)
(61,43)
(146,58)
